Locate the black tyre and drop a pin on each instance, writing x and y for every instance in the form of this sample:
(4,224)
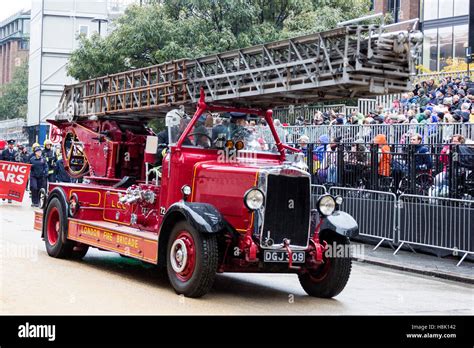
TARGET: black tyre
(79,251)
(192,260)
(330,278)
(56,229)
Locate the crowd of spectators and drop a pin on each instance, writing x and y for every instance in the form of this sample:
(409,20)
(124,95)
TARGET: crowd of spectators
(449,100)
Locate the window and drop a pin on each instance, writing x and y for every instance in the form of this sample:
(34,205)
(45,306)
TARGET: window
(84,29)
(446,8)
(430,49)
(461,7)
(394,8)
(430,9)
(24,45)
(460,41)
(445,46)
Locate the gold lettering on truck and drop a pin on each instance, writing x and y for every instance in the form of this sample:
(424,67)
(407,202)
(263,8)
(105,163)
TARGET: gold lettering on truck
(93,232)
(124,240)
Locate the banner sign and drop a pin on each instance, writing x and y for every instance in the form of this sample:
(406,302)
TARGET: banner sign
(13,179)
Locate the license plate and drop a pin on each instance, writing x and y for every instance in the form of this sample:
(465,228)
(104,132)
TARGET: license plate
(282,256)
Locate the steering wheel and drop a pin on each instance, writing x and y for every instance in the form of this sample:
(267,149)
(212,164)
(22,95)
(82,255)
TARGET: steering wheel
(200,134)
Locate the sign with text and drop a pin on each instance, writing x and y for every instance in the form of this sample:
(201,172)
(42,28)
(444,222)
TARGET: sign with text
(13,180)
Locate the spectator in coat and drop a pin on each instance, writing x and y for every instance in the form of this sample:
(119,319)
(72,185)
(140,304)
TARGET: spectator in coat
(384,154)
(423,160)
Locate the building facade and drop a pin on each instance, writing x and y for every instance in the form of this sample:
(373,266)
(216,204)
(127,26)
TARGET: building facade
(445,25)
(14,44)
(55,26)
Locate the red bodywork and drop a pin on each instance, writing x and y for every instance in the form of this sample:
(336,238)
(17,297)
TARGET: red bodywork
(101,220)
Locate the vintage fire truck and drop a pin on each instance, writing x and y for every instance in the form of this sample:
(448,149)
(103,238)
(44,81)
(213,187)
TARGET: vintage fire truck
(235,201)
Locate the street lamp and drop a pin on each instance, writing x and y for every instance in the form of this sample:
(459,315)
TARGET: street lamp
(99,20)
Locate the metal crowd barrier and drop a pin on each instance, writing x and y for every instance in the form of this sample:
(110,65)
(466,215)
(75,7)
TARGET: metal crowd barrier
(440,223)
(374,211)
(437,222)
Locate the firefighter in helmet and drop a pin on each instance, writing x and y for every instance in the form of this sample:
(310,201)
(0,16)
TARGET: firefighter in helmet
(50,155)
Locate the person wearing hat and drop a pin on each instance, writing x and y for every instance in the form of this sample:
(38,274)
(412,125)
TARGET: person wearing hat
(38,175)
(50,156)
(303,142)
(23,154)
(10,154)
(423,100)
(237,130)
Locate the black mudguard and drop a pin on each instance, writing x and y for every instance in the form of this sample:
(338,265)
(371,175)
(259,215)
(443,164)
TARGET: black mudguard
(204,217)
(341,223)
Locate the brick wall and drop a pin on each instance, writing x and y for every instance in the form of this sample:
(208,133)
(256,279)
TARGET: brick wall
(380,6)
(11,57)
(409,9)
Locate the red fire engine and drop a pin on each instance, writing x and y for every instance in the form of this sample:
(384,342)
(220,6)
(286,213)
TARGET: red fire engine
(232,198)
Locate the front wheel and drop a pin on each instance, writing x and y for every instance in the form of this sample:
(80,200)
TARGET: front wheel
(192,260)
(56,231)
(330,278)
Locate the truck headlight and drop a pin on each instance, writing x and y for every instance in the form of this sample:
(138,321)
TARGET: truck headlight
(253,199)
(326,205)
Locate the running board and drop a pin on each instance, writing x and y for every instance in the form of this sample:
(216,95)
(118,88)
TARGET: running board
(125,240)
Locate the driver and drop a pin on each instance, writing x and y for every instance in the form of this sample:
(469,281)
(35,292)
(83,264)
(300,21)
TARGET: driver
(237,130)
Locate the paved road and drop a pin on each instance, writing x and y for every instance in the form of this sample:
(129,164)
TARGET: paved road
(105,283)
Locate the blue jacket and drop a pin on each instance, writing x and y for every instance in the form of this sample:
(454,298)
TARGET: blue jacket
(423,160)
(39,167)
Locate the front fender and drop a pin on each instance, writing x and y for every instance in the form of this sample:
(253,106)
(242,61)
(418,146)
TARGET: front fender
(204,217)
(341,223)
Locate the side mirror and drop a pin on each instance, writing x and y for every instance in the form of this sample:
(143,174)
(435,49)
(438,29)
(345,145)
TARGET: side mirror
(151,148)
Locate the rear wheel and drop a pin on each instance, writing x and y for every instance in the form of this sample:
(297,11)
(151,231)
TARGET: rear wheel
(55,231)
(192,259)
(330,278)
(79,251)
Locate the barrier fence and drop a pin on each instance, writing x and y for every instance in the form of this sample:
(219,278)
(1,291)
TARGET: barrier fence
(439,223)
(373,210)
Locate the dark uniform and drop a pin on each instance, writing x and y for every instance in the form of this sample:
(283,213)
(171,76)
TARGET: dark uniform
(51,158)
(60,172)
(38,177)
(23,155)
(163,141)
(10,154)
(219,131)
(236,131)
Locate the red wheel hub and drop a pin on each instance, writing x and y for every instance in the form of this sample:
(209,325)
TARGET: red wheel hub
(321,272)
(53,226)
(183,256)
